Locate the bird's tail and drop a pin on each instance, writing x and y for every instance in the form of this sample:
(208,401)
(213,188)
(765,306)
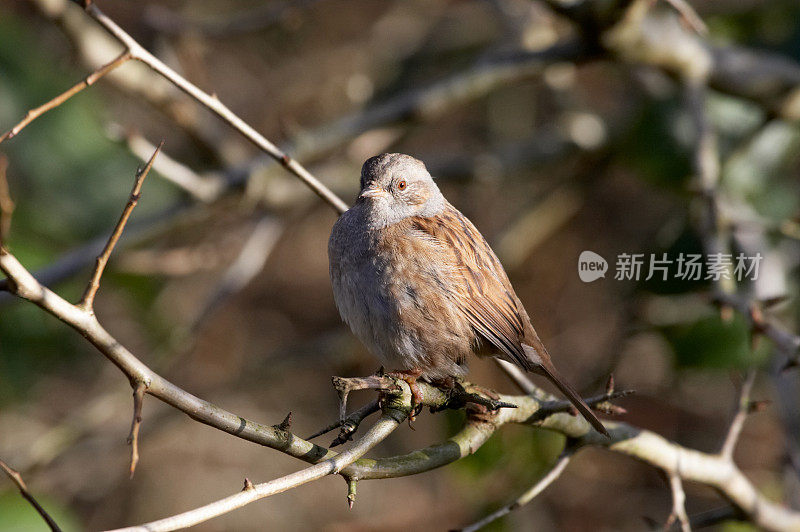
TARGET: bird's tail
(549,371)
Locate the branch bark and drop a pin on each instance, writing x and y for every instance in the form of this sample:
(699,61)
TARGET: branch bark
(91,79)
(87,302)
(212,103)
(390,420)
(16,478)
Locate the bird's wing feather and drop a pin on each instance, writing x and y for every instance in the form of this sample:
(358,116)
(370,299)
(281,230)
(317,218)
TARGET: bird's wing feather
(479,286)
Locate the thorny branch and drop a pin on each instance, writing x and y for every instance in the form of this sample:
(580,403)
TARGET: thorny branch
(91,79)
(390,420)
(678,514)
(743,408)
(87,301)
(133,50)
(677,462)
(136,423)
(16,478)
(211,102)
(625,439)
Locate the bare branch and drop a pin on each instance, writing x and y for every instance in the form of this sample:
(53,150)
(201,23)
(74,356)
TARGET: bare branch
(742,410)
(382,428)
(786,341)
(16,478)
(25,286)
(212,103)
(526,497)
(678,513)
(87,301)
(136,422)
(710,469)
(350,425)
(352,486)
(33,114)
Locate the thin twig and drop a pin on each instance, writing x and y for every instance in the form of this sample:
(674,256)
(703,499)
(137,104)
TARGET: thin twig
(601,402)
(377,433)
(6,203)
(205,188)
(787,342)
(526,497)
(678,504)
(33,114)
(213,103)
(742,410)
(16,478)
(136,423)
(351,423)
(709,469)
(87,301)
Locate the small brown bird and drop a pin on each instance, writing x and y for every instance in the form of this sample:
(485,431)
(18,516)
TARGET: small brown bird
(420,286)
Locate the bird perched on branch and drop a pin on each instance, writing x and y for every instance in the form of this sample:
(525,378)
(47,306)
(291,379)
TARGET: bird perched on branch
(420,286)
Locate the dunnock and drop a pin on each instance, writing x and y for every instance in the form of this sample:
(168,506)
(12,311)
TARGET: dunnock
(420,286)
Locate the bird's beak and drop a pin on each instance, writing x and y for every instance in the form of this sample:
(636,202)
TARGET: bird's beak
(373,192)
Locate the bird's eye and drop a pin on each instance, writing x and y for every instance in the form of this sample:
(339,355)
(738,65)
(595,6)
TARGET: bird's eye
(401,185)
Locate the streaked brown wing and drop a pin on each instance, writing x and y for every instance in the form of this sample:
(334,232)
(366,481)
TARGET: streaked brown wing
(480,286)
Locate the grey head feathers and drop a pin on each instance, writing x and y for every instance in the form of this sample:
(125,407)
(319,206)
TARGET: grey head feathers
(394,187)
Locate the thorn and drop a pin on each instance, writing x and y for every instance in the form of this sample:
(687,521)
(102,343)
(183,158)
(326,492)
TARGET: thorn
(248,485)
(286,424)
(611,409)
(351,493)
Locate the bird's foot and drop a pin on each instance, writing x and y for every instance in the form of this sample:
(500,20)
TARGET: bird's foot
(410,376)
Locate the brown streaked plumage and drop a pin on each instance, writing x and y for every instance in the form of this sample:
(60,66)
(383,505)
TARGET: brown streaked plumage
(420,286)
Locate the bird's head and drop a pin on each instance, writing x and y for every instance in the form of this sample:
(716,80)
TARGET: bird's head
(396,186)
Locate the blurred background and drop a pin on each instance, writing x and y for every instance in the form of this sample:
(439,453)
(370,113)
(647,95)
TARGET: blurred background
(551,140)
